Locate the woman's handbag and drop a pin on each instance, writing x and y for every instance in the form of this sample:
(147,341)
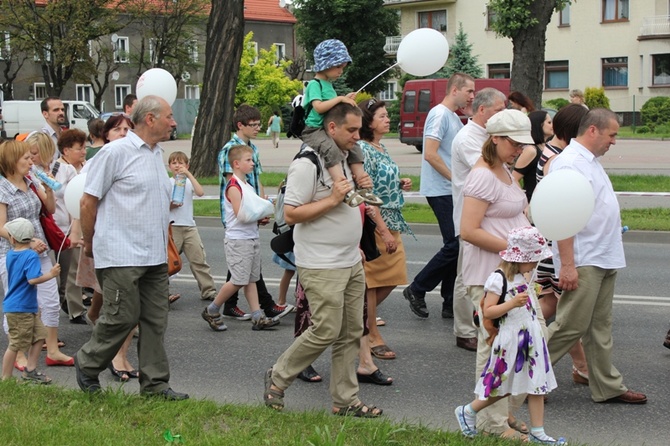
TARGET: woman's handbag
(174,259)
(55,237)
(368,243)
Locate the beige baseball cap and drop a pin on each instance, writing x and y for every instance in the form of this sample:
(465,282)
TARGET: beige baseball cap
(21,229)
(511,123)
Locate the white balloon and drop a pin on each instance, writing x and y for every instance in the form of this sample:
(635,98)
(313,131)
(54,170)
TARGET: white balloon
(73,193)
(562,204)
(157,82)
(423,52)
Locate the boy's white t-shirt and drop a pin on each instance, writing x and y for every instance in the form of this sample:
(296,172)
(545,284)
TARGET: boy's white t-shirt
(183,215)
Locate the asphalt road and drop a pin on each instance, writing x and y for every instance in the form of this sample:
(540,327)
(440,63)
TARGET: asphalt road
(432,376)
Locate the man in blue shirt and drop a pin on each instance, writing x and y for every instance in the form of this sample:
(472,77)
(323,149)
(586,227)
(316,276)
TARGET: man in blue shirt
(442,125)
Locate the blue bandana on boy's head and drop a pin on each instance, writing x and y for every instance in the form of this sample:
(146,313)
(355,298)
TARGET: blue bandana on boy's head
(330,53)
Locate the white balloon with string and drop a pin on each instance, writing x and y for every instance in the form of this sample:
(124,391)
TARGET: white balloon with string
(421,53)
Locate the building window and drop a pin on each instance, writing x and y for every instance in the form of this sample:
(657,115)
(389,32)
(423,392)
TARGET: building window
(499,71)
(491,18)
(40,89)
(46,54)
(153,56)
(564,16)
(121,48)
(280,51)
(254,46)
(84,92)
(615,72)
(4,45)
(389,93)
(410,101)
(191,91)
(661,69)
(434,19)
(120,92)
(424,101)
(556,75)
(615,10)
(193,49)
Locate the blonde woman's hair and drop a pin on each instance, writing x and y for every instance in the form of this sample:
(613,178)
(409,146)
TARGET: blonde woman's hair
(510,269)
(11,152)
(45,146)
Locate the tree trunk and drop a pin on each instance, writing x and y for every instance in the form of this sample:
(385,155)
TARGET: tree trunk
(225,35)
(529,45)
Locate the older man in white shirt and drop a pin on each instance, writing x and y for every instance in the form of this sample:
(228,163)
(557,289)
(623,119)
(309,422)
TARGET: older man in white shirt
(587,264)
(124,220)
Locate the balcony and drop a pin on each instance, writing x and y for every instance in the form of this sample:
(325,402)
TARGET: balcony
(392,44)
(401,3)
(656,27)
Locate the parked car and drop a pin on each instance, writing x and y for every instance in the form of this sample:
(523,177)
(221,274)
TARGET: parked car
(105,116)
(420,95)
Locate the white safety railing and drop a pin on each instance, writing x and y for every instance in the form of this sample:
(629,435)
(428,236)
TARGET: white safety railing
(392,44)
(656,25)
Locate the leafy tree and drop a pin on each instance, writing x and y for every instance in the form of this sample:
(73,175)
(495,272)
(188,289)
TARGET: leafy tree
(59,33)
(525,22)
(264,84)
(225,37)
(169,33)
(461,58)
(557,103)
(595,97)
(97,69)
(14,56)
(362,25)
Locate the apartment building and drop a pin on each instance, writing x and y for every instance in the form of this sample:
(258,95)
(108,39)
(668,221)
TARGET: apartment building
(621,45)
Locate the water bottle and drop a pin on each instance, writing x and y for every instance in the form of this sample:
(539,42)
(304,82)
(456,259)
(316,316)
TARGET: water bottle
(46,179)
(179,189)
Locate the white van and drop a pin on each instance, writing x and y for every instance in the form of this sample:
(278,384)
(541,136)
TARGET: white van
(26,116)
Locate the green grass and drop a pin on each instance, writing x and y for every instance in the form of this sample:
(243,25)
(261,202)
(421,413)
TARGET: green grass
(621,183)
(52,415)
(627,132)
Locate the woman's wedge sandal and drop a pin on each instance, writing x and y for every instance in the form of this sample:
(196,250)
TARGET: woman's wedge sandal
(359,411)
(274,399)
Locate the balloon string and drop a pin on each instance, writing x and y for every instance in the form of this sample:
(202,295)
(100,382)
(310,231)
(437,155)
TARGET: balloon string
(373,79)
(63,242)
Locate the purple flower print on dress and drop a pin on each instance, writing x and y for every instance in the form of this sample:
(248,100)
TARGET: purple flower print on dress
(492,380)
(523,349)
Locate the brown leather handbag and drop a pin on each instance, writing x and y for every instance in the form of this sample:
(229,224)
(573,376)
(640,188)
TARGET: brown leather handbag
(174,259)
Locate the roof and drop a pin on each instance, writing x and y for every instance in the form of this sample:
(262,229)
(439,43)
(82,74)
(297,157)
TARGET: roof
(254,10)
(267,11)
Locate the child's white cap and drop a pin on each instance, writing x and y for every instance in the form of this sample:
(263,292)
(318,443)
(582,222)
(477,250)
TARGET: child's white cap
(525,245)
(21,230)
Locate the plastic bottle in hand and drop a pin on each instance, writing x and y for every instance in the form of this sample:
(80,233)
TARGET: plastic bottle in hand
(46,179)
(179,189)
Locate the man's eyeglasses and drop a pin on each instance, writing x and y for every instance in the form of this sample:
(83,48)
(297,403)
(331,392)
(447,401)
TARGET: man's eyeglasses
(254,124)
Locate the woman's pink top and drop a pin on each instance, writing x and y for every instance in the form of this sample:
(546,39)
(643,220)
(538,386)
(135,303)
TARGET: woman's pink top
(504,213)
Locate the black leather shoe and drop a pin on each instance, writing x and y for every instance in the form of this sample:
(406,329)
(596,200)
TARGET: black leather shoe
(80,320)
(467,343)
(170,395)
(86,383)
(447,314)
(416,304)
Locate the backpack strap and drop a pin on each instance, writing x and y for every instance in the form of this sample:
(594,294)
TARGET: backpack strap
(501,299)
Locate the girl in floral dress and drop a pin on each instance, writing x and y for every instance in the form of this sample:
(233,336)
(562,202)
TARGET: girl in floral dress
(519,361)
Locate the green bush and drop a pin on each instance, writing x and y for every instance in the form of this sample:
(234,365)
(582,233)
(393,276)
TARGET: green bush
(557,103)
(663,129)
(595,98)
(642,129)
(656,111)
